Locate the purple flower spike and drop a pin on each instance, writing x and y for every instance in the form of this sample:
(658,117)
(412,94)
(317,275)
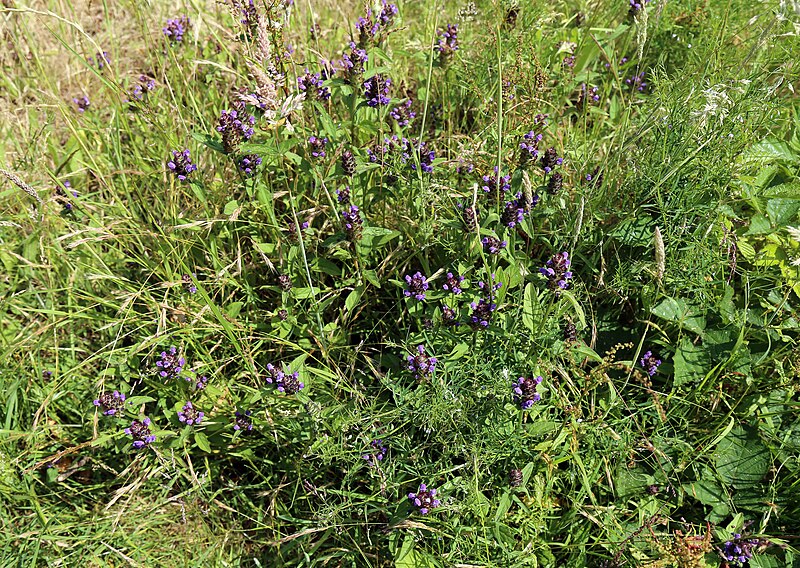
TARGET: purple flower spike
(417,285)
(529,147)
(110,402)
(493,245)
(235,129)
(550,159)
(170,364)
(557,272)
(420,364)
(140,432)
(376,454)
(317,146)
(248,164)
(738,551)
(181,164)
(424,499)
(495,186)
(175,28)
(403,114)
(447,44)
(650,363)
(313,86)
(525,391)
(484,308)
(242,421)
(82,103)
(189,414)
(353,223)
(453,283)
(376,90)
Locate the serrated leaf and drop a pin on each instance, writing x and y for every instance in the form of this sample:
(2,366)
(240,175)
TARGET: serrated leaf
(691,363)
(769,150)
(678,311)
(742,459)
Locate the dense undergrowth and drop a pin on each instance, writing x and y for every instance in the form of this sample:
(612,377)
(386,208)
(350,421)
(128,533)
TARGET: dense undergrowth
(426,284)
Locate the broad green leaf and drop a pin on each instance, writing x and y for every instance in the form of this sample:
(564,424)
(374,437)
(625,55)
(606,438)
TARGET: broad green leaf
(202,441)
(679,312)
(530,306)
(769,150)
(742,459)
(691,363)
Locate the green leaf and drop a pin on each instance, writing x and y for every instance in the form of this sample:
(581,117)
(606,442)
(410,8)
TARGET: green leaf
(375,237)
(202,442)
(769,150)
(372,278)
(530,305)
(209,141)
(691,362)
(790,190)
(352,299)
(679,312)
(233,309)
(782,211)
(742,459)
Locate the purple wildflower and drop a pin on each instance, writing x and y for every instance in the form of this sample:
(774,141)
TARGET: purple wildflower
(353,63)
(514,211)
(636,5)
(188,283)
(189,414)
(403,114)
(64,198)
(529,147)
(421,364)
(371,27)
(568,62)
(493,245)
(46,374)
(242,421)
(554,183)
(469,216)
(100,60)
(312,85)
(317,146)
(349,164)
(453,283)
(200,382)
(181,164)
(424,499)
(650,363)
(637,82)
(171,364)
(175,28)
(525,391)
(343,195)
(234,129)
(290,383)
(496,186)
(376,453)
(353,223)
(483,309)
(550,159)
(449,316)
(417,285)
(140,432)
(557,271)
(588,94)
(248,163)
(376,90)
(110,402)
(447,44)
(738,551)
(141,89)
(293,231)
(82,103)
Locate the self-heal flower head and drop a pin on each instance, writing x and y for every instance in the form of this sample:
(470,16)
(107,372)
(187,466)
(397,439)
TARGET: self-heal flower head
(637,82)
(372,27)
(144,86)
(317,146)
(449,317)
(424,499)
(525,391)
(421,364)
(738,551)
(242,421)
(353,223)
(188,283)
(529,147)
(588,94)
(650,363)
(469,216)
(100,60)
(289,383)
(349,163)
(376,453)
(636,5)
(181,164)
(110,402)
(235,128)
(313,86)
(417,285)
(175,28)
(376,90)
(82,103)
(403,114)
(495,186)
(447,44)
(453,283)
(551,159)
(248,164)
(170,364)
(514,211)
(557,271)
(493,245)
(141,434)
(482,311)
(189,414)
(343,195)
(353,64)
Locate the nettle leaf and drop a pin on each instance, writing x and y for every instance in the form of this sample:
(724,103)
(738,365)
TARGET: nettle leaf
(782,211)
(742,459)
(678,311)
(691,363)
(769,150)
(710,493)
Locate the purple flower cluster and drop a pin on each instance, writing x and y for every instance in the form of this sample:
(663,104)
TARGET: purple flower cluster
(493,245)
(449,316)
(140,432)
(189,414)
(286,383)
(248,163)
(188,283)
(376,90)
(496,186)
(403,114)
(141,89)
(170,364)
(64,198)
(82,103)
(426,156)
(110,402)
(100,60)
(343,195)
(376,454)
(637,82)
(349,164)
(181,164)
(650,363)
(588,94)
(317,146)
(424,499)
(234,129)
(529,147)
(421,364)
(292,231)
(557,271)
(312,85)
(372,27)
(447,44)
(453,283)
(550,159)
(417,285)
(483,309)
(525,391)
(200,382)
(738,550)
(175,28)
(469,216)
(514,211)
(636,5)
(353,63)
(242,421)
(353,223)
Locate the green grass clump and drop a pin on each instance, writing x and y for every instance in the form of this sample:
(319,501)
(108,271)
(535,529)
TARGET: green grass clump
(363,287)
